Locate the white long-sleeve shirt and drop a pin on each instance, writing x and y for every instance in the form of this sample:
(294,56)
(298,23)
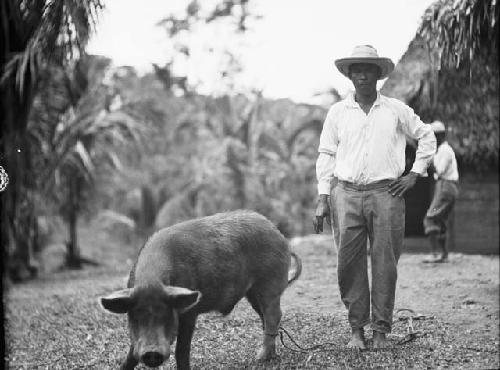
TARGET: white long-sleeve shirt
(364,148)
(445,163)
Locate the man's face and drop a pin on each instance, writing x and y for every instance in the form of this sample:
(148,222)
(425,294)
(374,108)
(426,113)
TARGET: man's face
(364,76)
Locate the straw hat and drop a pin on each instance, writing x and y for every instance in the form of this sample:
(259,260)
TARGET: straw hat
(365,54)
(438,126)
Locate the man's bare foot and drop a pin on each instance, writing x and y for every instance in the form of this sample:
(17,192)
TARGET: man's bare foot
(379,340)
(357,341)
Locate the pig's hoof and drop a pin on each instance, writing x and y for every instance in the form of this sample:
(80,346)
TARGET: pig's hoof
(266,353)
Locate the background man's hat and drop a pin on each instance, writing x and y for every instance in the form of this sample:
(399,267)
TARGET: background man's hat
(438,126)
(365,54)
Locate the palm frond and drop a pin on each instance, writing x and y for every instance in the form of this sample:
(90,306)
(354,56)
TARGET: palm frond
(461,30)
(44,30)
(84,156)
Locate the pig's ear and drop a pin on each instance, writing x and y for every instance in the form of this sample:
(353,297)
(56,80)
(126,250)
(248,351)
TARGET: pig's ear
(118,302)
(182,299)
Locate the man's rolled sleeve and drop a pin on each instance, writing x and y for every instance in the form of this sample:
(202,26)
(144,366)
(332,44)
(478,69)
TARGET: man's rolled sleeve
(328,142)
(420,168)
(325,167)
(426,148)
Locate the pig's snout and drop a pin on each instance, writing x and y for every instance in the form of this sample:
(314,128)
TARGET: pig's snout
(153,358)
(153,355)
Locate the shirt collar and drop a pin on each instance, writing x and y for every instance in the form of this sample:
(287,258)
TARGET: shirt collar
(354,104)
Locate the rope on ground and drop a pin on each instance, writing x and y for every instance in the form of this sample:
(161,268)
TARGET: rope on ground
(313,348)
(411,334)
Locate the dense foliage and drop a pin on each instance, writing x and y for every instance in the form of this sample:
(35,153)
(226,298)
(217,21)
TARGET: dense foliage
(54,120)
(34,34)
(207,154)
(76,124)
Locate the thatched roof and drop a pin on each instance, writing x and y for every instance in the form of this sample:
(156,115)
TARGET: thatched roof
(452,33)
(462,30)
(464,96)
(411,72)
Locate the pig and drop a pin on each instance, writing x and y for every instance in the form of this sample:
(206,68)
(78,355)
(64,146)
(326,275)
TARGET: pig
(197,266)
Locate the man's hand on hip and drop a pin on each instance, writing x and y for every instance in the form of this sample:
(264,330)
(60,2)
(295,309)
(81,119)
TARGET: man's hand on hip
(400,186)
(322,211)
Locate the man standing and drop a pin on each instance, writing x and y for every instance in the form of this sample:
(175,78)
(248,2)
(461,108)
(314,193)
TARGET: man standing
(362,146)
(445,193)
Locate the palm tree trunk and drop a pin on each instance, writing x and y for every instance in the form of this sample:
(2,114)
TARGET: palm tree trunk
(238,177)
(17,216)
(73,258)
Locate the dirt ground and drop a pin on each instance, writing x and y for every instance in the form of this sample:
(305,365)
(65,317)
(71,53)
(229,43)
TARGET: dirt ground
(56,322)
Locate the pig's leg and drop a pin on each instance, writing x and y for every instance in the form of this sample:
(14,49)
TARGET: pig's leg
(184,336)
(272,317)
(254,302)
(130,362)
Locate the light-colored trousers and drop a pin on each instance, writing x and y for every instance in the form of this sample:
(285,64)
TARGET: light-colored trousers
(362,212)
(443,201)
